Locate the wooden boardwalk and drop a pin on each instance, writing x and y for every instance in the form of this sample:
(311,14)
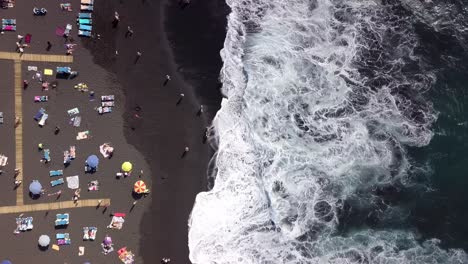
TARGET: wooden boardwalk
(19,130)
(20,207)
(35,57)
(52,206)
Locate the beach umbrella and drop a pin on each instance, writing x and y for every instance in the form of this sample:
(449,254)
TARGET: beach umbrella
(35,187)
(107,240)
(44,240)
(92,161)
(6,262)
(139,187)
(127,166)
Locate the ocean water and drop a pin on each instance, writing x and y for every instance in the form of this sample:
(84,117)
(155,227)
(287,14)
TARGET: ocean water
(342,138)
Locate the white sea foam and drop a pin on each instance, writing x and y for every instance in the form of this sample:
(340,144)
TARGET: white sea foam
(323,97)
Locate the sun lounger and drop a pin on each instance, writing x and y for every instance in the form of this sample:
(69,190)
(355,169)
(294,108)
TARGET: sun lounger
(87,8)
(62,235)
(109,103)
(82,33)
(24,223)
(1,117)
(66,7)
(62,219)
(67,30)
(72,152)
(8,28)
(117,221)
(7,21)
(82,135)
(85,15)
(46,155)
(107,98)
(85,27)
(63,242)
(89,233)
(57,182)
(55,173)
(76,121)
(39,114)
(103,110)
(41,98)
(84,21)
(43,120)
(3,160)
(73,111)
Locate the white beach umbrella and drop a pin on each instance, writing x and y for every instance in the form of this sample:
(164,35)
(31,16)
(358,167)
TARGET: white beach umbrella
(44,240)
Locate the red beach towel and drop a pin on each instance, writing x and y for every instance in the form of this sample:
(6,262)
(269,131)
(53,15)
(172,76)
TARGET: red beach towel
(27,38)
(59,31)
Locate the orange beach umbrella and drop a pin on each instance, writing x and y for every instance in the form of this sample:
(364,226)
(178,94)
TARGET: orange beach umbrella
(140,187)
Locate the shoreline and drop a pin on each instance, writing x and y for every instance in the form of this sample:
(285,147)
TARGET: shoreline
(171,127)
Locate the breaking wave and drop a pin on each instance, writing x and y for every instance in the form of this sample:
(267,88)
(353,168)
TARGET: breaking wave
(324,98)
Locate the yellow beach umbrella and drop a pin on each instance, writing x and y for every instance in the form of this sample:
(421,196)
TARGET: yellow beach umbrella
(127,166)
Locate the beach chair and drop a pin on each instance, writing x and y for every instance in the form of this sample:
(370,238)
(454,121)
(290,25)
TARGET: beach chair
(76,121)
(39,114)
(66,7)
(63,239)
(41,98)
(43,120)
(103,110)
(84,21)
(7,21)
(3,160)
(66,157)
(82,33)
(72,152)
(82,135)
(108,104)
(46,155)
(55,173)
(87,8)
(8,28)
(63,242)
(105,98)
(85,27)
(57,182)
(73,111)
(1,117)
(85,15)
(62,219)
(68,28)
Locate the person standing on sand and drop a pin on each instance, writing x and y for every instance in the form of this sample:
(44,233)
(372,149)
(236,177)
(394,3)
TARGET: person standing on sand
(129,32)
(138,55)
(168,78)
(49,45)
(181,96)
(186,150)
(57,130)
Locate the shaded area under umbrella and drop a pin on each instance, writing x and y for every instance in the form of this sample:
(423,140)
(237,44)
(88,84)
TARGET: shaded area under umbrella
(35,187)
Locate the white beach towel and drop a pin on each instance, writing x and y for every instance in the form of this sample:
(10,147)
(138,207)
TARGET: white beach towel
(32,68)
(73,182)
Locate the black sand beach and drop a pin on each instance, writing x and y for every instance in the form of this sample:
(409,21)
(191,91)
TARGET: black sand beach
(159,128)
(165,128)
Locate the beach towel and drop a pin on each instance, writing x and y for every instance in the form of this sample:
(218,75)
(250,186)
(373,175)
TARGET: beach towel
(81,251)
(27,38)
(32,68)
(59,31)
(82,135)
(73,182)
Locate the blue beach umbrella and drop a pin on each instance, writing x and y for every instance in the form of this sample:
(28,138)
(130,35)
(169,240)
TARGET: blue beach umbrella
(92,161)
(35,187)
(6,262)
